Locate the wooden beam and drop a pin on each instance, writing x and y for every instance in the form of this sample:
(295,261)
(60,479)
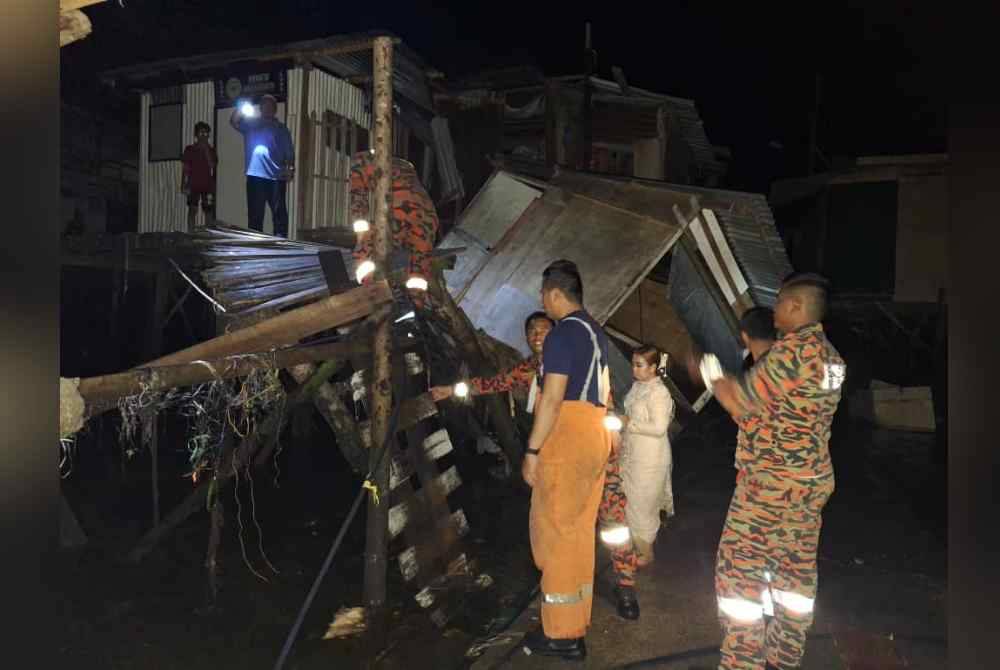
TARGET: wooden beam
(105,390)
(377,531)
(289,327)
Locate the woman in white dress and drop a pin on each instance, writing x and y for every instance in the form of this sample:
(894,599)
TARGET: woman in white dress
(646,457)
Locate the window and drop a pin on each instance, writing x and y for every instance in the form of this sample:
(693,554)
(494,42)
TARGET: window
(166,117)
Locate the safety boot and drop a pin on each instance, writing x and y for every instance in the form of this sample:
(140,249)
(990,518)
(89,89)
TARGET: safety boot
(536,642)
(628,603)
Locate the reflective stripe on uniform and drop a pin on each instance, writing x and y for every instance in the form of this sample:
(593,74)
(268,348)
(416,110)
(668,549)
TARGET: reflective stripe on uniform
(586,591)
(615,535)
(794,602)
(532,395)
(740,609)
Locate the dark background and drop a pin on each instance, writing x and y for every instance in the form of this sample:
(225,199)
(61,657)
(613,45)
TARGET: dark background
(751,70)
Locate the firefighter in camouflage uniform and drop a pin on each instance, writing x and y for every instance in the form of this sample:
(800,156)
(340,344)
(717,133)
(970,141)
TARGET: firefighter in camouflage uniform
(766,577)
(611,513)
(414,220)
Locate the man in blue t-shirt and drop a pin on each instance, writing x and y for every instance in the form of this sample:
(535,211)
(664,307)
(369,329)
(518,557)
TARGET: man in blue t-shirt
(565,464)
(270,163)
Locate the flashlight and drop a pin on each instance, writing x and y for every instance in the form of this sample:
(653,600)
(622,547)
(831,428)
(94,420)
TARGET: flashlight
(247,109)
(612,422)
(416,283)
(461,390)
(361,226)
(365,269)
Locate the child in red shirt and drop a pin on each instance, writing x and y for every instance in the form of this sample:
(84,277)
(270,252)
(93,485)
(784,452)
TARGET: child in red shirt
(198,181)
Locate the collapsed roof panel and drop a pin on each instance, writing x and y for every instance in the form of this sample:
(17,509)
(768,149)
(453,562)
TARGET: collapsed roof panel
(616,230)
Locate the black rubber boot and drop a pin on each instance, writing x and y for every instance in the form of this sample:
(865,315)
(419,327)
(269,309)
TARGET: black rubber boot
(535,642)
(628,603)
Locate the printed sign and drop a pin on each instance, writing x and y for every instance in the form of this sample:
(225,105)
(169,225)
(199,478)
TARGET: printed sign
(250,87)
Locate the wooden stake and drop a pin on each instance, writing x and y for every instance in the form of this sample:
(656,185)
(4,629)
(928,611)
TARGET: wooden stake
(377,533)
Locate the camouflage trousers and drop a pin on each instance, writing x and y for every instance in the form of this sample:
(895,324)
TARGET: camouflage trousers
(610,514)
(765,574)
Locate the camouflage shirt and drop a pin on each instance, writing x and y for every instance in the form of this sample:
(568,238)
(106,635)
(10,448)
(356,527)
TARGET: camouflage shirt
(788,401)
(518,377)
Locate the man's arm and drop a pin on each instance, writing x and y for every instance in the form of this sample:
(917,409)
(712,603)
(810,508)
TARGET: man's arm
(774,377)
(546,413)
(519,376)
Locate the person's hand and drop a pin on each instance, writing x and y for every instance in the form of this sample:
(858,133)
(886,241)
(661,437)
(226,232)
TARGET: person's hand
(529,469)
(440,393)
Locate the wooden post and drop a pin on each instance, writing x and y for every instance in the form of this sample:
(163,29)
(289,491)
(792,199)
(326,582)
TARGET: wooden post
(304,192)
(377,533)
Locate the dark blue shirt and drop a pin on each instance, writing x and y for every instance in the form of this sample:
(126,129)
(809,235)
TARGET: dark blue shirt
(569,350)
(268,147)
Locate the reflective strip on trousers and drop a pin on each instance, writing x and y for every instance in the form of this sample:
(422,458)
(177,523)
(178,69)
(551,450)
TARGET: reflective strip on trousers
(615,535)
(586,591)
(794,602)
(740,609)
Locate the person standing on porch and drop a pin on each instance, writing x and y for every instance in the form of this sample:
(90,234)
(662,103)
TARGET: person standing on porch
(198,175)
(565,464)
(270,163)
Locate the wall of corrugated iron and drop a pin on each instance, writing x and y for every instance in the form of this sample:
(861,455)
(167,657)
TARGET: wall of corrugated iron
(161,204)
(326,93)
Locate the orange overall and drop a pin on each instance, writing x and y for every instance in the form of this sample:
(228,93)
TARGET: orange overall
(564,505)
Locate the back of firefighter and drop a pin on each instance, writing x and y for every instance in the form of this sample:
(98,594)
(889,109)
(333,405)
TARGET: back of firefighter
(414,220)
(766,576)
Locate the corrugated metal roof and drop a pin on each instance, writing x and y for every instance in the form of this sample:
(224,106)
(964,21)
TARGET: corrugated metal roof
(409,69)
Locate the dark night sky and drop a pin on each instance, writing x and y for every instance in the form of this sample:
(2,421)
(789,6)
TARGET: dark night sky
(751,76)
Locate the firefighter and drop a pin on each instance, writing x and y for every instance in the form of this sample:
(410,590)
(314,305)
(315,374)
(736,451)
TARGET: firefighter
(565,462)
(766,578)
(615,533)
(414,221)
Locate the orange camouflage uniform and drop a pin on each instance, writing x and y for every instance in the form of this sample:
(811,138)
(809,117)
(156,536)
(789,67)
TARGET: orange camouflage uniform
(624,560)
(414,219)
(766,561)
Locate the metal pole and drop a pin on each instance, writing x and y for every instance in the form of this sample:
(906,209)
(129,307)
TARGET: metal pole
(377,536)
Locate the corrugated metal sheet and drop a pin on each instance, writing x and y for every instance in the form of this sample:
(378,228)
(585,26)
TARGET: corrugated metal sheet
(161,204)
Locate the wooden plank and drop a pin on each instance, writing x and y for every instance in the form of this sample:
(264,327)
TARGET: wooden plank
(400,514)
(726,253)
(711,259)
(289,327)
(450,530)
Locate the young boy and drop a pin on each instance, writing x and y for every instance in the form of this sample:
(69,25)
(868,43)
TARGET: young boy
(198,181)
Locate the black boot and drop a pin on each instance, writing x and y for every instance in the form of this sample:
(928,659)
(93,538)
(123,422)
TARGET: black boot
(535,642)
(628,604)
